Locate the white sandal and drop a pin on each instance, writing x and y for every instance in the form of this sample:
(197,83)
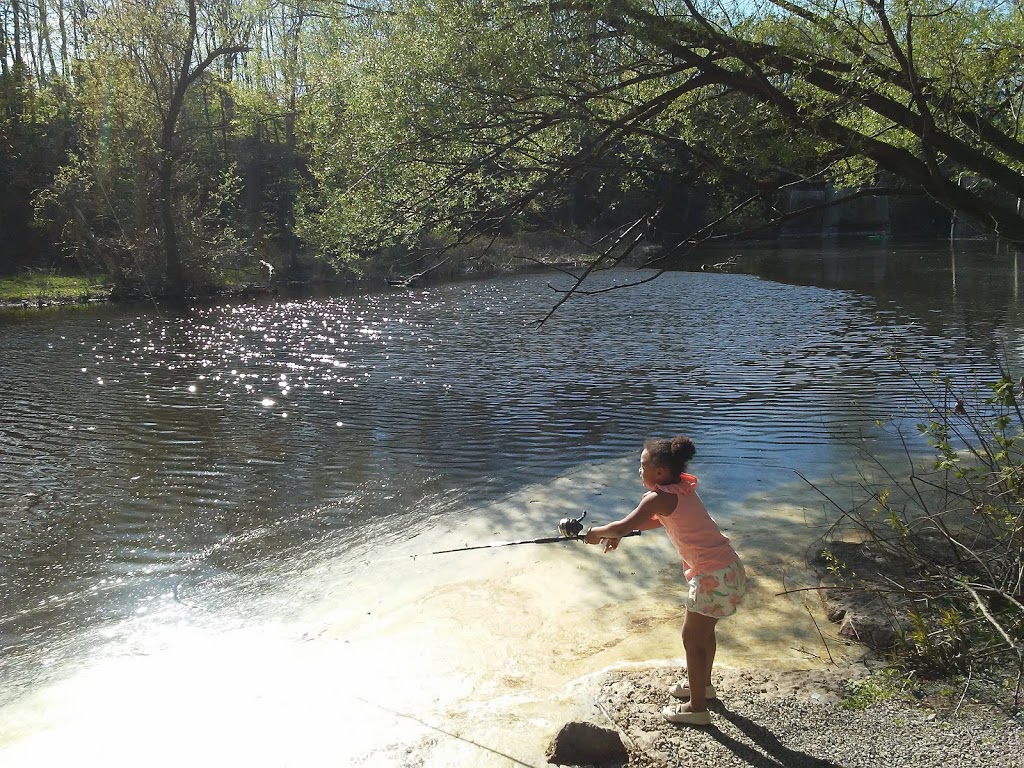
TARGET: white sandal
(676,714)
(681,690)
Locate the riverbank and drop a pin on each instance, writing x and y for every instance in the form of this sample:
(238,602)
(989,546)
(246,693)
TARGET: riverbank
(39,290)
(825,717)
(524,254)
(256,523)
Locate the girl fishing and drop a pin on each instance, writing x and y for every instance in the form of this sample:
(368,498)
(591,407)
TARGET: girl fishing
(713,570)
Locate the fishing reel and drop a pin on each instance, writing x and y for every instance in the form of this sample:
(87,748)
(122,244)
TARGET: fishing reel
(571,527)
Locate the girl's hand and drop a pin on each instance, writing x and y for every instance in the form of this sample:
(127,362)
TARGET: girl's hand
(596,536)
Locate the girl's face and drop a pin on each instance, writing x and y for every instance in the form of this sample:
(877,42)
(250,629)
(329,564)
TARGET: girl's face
(653,474)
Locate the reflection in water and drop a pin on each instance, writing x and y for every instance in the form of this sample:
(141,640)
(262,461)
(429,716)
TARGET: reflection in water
(230,497)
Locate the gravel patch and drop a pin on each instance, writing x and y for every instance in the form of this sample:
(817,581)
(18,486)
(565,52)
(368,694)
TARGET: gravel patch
(797,720)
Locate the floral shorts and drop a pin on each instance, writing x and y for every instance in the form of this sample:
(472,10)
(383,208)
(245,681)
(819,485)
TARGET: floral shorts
(717,593)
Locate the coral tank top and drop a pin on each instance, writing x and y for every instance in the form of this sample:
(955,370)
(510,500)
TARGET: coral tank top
(695,534)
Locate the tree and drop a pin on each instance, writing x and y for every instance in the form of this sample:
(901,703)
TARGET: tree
(145,83)
(268,108)
(475,111)
(171,58)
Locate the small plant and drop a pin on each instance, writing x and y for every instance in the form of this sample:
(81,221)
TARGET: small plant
(868,691)
(837,567)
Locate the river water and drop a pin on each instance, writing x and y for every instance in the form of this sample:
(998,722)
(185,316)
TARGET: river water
(216,521)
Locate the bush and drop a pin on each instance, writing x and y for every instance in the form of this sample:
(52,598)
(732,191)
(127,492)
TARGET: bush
(947,537)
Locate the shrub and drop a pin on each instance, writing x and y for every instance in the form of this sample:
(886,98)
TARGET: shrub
(947,536)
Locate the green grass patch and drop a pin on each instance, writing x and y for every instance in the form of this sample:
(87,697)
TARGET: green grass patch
(43,287)
(868,691)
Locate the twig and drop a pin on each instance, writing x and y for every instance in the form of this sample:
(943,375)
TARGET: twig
(442,731)
(970,673)
(1014,646)
(818,630)
(805,652)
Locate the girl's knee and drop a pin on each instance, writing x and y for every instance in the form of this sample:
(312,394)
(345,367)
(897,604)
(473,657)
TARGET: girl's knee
(693,638)
(694,646)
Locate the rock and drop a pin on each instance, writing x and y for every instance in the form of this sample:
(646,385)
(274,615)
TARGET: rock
(836,613)
(586,744)
(874,632)
(862,614)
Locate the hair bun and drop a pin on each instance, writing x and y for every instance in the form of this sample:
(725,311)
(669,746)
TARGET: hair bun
(683,449)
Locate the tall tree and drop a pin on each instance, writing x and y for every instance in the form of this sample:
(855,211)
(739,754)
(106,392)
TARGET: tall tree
(158,50)
(188,63)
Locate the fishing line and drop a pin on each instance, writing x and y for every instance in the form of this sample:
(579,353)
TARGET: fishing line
(442,731)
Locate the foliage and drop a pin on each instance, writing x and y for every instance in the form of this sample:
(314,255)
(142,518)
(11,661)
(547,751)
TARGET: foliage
(389,122)
(950,534)
(478,115)
(147,140)
(384,129)
(36,125)
(865,692)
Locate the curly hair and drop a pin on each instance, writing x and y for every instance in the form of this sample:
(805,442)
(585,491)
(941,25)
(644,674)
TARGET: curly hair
(674,454)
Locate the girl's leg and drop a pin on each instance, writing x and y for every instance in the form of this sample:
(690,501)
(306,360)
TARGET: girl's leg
(699,646)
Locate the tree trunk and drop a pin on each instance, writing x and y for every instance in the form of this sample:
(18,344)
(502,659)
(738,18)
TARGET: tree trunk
(175,270)
(291,144)
(227,105)
(81,33)
(44,40)
(4,69)
(65,64)
(108,256)
(16,13)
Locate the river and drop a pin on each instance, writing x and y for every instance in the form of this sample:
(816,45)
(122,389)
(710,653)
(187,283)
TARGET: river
(217,520)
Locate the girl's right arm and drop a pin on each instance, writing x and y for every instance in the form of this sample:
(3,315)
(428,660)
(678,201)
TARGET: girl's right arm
(643,518)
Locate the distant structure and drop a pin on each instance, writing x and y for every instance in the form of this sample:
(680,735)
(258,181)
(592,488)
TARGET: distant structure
(878,215)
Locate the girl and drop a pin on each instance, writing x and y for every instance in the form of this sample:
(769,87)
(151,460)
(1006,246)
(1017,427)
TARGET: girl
(712,568)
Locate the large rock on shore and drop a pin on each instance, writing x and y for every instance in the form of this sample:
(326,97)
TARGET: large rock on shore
(857,606)
(587,744)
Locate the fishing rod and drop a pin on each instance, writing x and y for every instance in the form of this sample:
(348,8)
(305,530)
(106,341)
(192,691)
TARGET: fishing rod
(569,529)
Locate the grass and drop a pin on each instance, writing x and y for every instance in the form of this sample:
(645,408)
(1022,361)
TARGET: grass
(37,286)
(863,693)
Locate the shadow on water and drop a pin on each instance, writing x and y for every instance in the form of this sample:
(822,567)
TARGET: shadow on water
(937,282)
